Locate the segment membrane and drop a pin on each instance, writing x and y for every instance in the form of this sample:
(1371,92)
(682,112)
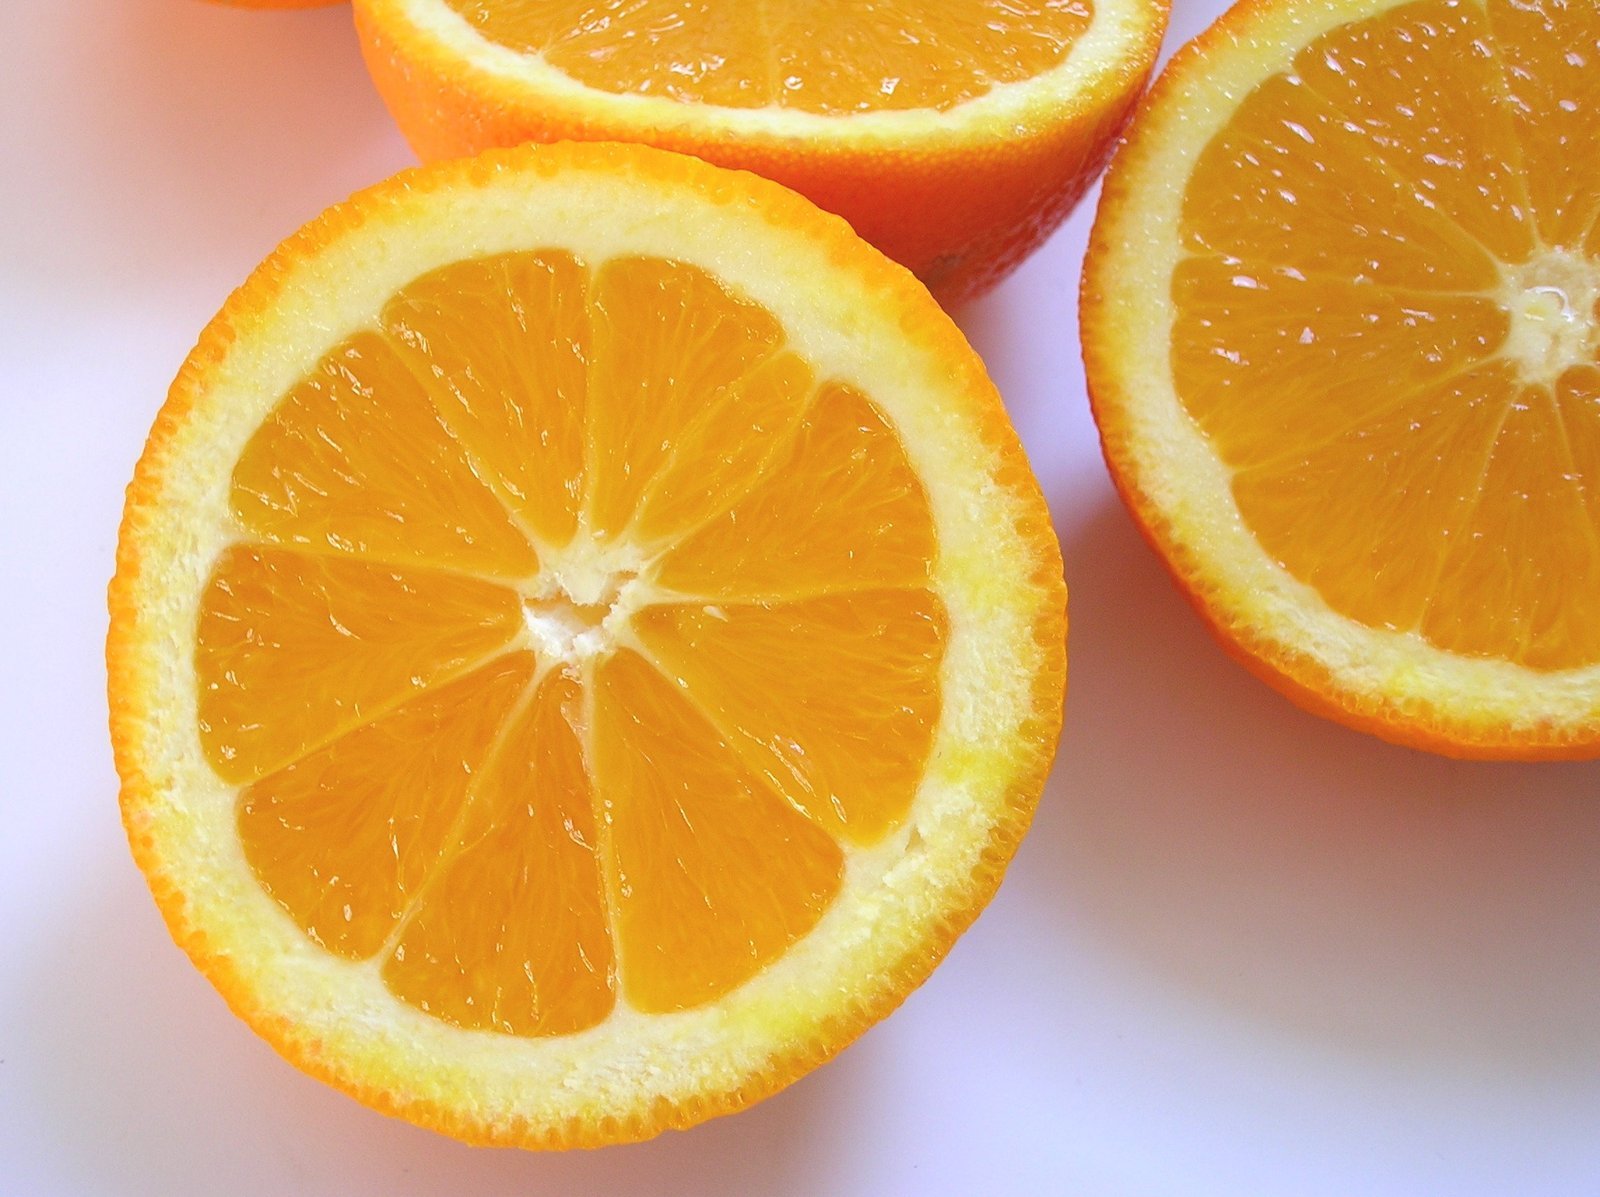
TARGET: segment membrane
(1331,354)
(1551,54)
(501,346)
(717,457)
(1577,396)
(1528,559)
(672,352)
(355,460)
(345,837)
(713,875)
(889,54)
(833,700)
(511,935)
(1290,183)
(1426,92)
(295,649)
(839,509)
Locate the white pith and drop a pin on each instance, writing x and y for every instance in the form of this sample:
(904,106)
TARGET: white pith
(579,604)
(1553,300)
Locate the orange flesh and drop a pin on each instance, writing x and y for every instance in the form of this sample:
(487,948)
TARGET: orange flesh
(833,57)
(1392,294)
(577,632)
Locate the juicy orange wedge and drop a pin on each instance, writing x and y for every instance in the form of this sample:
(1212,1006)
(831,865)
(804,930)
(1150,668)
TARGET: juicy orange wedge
(603,590)
(1359,405)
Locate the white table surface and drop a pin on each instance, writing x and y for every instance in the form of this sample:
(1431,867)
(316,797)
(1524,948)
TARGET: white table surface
(1242,951)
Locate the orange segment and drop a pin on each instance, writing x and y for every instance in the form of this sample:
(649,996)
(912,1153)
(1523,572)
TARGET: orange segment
(295,649)
(840,508)
(356,460)
(1551,57)
(1528,555)
(892,54)
(511,935)
(832,700)
(1290,183)
(1577,396)
(903,54)
(1425,89)
(1405,480)
(498,344)
(345,837)
(1332,353)
(714,874)
(671,347)
(720,455)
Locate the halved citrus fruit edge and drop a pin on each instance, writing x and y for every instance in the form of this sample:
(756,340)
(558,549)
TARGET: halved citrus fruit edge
(1110,57)
(1393,684)
(902,903)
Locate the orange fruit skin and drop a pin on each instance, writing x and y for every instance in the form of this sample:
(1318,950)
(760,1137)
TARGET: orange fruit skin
(127,680)
(1297,676)
(960,215)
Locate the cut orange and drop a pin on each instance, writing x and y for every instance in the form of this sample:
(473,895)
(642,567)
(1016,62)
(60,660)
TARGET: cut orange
(585,640)
(953,135)
(1342,326)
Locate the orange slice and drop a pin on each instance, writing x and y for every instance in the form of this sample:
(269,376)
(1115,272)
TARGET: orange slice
(954,136)
(1342,327)
(585,640)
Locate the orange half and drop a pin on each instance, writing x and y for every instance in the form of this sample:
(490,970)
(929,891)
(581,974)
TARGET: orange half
(955,135)
(585,640)
(1342,328)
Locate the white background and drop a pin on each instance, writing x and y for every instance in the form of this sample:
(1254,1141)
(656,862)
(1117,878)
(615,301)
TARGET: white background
(1242,951)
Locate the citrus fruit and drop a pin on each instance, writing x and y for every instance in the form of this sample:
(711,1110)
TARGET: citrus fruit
(1341,330)
(585,640)
(953,135)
